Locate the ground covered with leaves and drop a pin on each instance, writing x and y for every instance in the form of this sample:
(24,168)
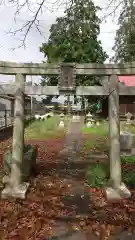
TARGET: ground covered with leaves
(50,209)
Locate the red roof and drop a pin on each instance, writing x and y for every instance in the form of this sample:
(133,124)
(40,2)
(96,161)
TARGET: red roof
(128,80)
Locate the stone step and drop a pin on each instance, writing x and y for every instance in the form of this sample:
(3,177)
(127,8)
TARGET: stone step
(72,235)
(66,164)
(65,231)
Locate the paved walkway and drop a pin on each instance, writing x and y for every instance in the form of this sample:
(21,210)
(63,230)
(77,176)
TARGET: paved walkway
(72,171)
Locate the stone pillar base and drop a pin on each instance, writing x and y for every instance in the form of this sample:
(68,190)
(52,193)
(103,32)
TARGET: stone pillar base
(117,194)
(128,153)
(17,192)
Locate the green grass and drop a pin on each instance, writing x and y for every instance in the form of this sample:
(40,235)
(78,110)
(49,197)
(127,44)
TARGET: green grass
(101,130)
(95,144)
(40,130)
(97,138)
(128,159)
(130,128)
(98,173)
(91,144)
(99,135)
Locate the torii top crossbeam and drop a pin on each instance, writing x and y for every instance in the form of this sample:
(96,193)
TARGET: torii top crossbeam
(12,68)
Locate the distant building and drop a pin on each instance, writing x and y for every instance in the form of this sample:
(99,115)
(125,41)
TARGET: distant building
(127,103)
(7,103)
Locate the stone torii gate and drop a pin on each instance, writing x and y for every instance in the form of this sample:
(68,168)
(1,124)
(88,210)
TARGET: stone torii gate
(67,73)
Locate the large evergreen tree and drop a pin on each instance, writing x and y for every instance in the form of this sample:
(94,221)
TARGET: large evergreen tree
(74,38)
(124,46)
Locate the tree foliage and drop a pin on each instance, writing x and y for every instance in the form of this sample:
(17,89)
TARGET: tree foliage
(124,47)
(74,38)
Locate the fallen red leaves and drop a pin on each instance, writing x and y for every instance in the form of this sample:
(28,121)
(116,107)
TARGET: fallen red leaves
(3,146)
(35,217)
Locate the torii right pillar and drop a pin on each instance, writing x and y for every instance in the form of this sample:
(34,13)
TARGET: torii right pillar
(116,189)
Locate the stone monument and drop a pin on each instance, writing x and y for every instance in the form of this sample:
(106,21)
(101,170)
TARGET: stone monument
(126,143)
(89,120)
(126,138)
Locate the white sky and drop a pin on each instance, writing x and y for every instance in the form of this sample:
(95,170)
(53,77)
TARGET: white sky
(34,40)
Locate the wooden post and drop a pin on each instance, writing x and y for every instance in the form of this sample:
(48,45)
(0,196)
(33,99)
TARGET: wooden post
(16,188)
(114,132)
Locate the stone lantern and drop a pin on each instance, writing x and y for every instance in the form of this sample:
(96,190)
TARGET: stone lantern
(128,116)
(89,120)
(61,124)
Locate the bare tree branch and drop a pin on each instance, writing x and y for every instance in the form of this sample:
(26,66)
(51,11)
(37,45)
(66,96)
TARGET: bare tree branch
(28,24)
(38,7)
(112,7)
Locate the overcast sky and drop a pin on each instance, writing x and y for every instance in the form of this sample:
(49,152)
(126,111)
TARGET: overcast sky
(34,40)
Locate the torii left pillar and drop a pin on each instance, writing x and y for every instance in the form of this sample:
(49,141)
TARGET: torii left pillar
(15,187)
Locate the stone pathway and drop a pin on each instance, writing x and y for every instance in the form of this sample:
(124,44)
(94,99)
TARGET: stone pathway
(71,170)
